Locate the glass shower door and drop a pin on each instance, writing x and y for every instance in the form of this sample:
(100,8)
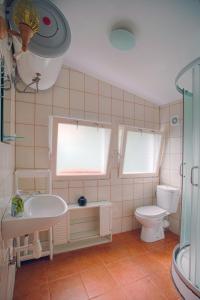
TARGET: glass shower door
(186,169)
(195,182)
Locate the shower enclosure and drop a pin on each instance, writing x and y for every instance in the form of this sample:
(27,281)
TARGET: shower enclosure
(186,256)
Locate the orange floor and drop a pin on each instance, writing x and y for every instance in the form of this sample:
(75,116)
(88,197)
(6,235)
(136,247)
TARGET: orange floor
(127,268)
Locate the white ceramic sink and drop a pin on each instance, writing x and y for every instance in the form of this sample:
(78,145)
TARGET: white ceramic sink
(40,213)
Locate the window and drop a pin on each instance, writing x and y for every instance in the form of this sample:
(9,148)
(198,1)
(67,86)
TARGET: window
(80,148)
(139,151)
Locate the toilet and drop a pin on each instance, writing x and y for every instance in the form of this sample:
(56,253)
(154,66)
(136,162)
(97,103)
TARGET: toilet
(152,218)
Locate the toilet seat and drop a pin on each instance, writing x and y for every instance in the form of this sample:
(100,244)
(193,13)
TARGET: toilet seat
(151,211)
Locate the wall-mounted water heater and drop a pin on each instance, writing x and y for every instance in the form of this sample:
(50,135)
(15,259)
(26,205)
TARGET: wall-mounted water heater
(47,47)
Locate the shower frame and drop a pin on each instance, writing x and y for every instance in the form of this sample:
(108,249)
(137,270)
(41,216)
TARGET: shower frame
(186,285)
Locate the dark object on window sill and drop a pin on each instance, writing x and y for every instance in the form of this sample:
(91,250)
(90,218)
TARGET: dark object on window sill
(82,201)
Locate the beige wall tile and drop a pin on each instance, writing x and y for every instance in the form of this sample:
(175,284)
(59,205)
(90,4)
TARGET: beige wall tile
(104,89)
(61,97)
(105,105)
(128,110)
(117,93)
(27,132)
(91,103)
(41,136)
(63,78)
(139,112)
(76,100)
(24,157)
(91,85)
(149,114)
(76,80)
(117,107)
(117,210)
(25,113)
(41,158)
(44,97)
(25,97)
(128,96)
(116,225)
(42,113)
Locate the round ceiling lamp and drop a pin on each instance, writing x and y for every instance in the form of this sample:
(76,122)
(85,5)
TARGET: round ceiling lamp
(122,39)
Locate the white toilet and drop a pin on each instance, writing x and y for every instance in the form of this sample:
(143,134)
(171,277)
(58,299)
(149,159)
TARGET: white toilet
(152,217)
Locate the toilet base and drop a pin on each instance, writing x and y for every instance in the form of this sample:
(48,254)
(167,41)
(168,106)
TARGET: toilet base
(152,234)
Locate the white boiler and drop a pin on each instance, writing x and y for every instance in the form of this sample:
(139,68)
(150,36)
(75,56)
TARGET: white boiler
(47,47)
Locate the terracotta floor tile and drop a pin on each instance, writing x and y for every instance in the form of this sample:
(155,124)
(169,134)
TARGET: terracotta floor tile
(164,282)
(36,271)
(88,258)
(147,263)
(143,289)
(125,271)
(97,281)
(117,294)
(60,268)
(35,293)
(111,253)
(127,268)
(136,248)
(68,288)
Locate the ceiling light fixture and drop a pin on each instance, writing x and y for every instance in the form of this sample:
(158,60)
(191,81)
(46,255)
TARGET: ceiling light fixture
(122,39)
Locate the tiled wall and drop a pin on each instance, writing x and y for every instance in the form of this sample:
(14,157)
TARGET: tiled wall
(170,169)
(80,96)
(7,165)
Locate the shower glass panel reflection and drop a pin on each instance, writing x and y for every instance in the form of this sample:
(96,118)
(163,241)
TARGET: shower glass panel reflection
(186,257)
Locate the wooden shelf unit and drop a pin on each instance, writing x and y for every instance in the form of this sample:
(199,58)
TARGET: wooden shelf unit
(84,226)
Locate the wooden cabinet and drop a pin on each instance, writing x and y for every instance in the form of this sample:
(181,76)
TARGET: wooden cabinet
(84,226)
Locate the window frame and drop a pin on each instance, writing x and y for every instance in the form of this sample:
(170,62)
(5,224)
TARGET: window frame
(53,136)
(122,150)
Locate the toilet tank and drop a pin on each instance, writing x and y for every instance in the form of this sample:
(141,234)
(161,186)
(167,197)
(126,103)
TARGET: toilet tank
(168,198)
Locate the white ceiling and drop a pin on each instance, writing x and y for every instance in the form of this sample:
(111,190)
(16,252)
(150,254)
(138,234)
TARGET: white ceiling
(167,38)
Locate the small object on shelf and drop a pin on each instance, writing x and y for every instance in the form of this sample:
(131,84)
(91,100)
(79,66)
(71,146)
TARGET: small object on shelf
(82,201)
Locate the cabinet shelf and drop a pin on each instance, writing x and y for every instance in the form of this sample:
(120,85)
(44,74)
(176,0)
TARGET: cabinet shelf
(84,235)
(84,220)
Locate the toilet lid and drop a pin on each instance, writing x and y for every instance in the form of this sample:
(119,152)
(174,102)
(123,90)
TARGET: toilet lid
(151,211)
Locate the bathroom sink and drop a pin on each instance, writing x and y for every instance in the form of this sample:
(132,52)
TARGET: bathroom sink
(40,213)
